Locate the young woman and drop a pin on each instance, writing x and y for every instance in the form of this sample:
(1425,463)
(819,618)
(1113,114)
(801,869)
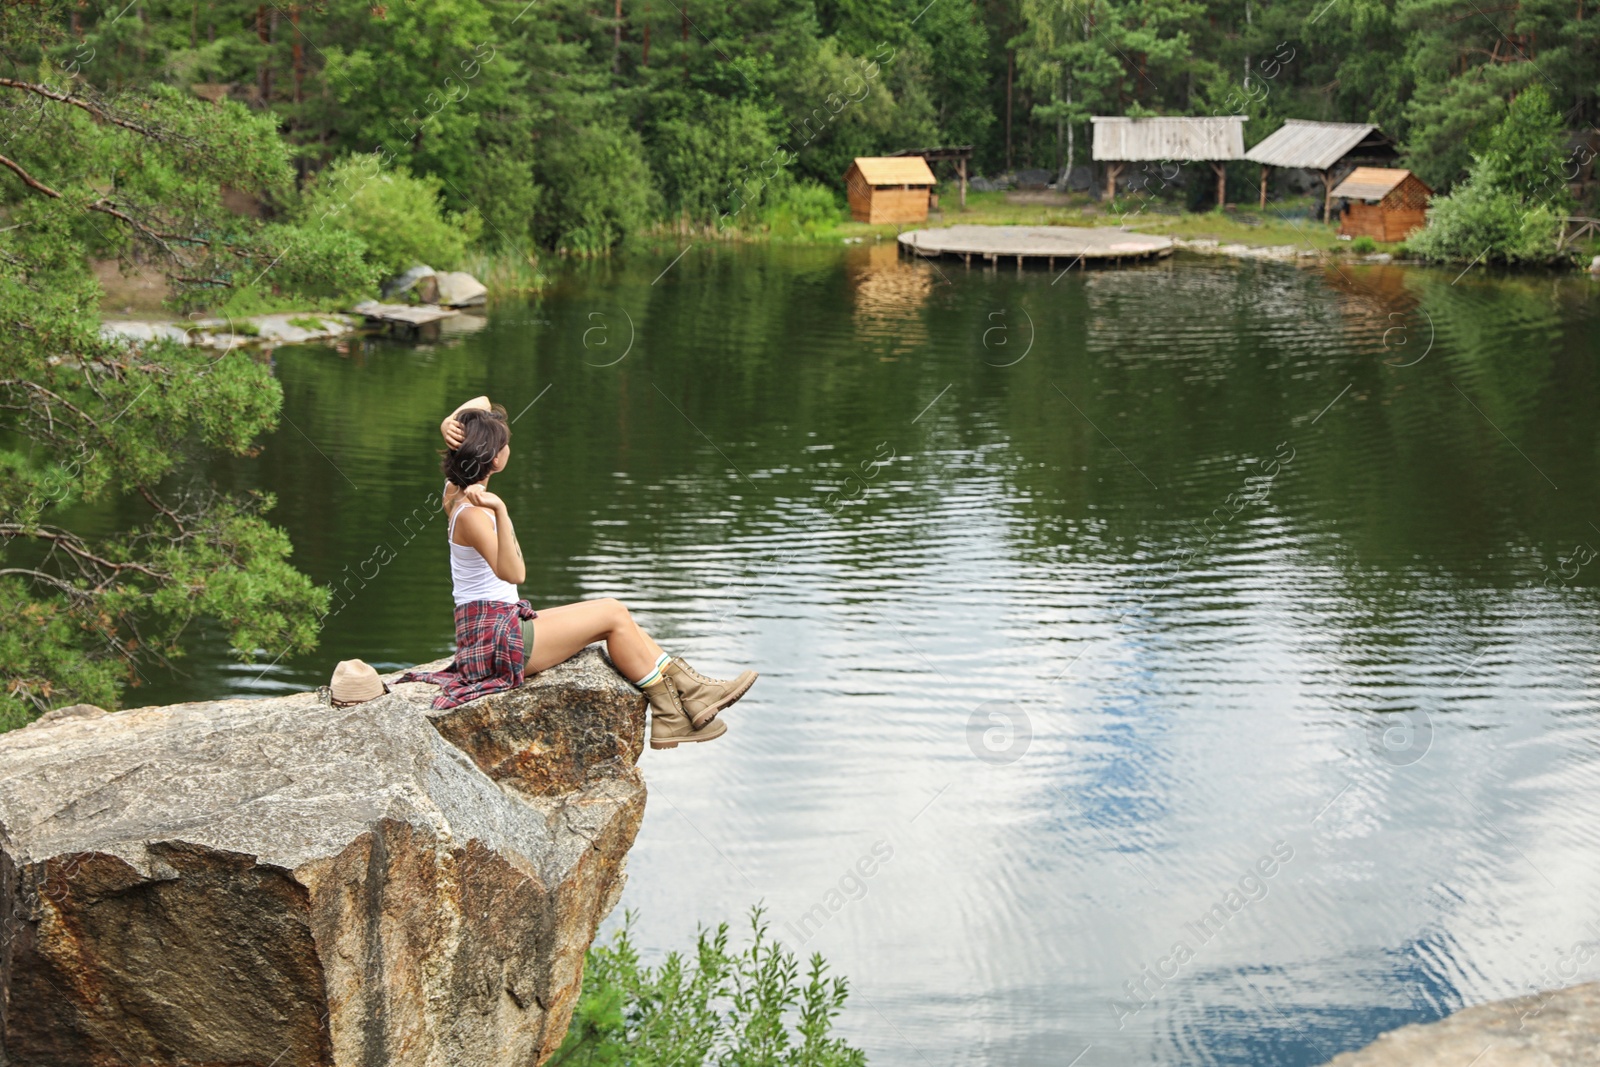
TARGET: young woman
(497,639)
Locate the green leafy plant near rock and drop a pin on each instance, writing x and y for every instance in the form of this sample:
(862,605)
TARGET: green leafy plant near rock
(717,1007)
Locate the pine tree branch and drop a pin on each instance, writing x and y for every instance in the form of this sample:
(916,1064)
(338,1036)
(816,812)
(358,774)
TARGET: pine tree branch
(29,180)
(75,547)
(49,579)
(97,110)
(104,208)
(150,499)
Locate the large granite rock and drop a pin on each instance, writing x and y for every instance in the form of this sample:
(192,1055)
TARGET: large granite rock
(458,289)
(1560,1028)
(279,882)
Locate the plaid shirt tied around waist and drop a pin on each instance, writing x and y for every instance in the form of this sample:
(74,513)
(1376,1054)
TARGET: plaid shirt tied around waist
(489,653)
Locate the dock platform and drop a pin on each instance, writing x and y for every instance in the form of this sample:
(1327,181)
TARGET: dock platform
(413,315)
(1052,246)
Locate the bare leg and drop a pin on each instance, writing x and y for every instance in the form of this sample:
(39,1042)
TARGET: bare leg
(560,633)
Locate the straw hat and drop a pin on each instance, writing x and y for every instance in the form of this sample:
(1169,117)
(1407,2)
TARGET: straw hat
(353,683)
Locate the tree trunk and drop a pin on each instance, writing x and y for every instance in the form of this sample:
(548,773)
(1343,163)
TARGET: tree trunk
(1011,66)
(264,72)
(1263,187)
(1066,173)
(616,42)
(1247,21)
(298,54)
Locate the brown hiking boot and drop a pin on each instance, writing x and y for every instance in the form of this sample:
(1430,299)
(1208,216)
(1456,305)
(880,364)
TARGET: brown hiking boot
(669,722)
(703,697)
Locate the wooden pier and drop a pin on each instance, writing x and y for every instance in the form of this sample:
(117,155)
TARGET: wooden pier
(412,315)
(1063,247)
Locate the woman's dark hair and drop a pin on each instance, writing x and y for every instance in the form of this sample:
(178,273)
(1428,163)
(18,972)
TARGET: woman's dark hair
(483,435)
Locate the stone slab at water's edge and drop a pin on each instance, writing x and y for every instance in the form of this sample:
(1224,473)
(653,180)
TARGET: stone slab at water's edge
(1559,1028)
(282,882)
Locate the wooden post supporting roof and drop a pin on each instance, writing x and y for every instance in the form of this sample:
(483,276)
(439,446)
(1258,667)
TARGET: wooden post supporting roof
(1113,172)
(1325,148)
(957,154)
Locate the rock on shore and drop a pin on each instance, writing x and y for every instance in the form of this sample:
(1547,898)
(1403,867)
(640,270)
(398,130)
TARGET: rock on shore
(279,882)
(288,328)
(1560,1028)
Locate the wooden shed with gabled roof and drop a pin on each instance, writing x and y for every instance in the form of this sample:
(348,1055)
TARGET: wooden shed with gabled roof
(1324,147)
(1384,203)
(1119,141)
(889,188)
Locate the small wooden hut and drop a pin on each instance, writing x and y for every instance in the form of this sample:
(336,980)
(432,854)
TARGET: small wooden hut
(1329,148)
(1215,140)
(889,188)
(1386,204)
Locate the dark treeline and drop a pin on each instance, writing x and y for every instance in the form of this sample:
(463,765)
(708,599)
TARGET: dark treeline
(569,124)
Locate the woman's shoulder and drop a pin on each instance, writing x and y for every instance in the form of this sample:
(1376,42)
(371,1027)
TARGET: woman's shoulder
(475,520)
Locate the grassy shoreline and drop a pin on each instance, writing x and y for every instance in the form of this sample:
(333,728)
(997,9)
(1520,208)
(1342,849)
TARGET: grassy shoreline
(1282,223)
(1285,223)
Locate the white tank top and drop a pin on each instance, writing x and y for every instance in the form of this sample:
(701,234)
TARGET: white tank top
(470,573)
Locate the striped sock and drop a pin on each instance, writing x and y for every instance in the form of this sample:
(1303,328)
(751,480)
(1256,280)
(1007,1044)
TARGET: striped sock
(655,672)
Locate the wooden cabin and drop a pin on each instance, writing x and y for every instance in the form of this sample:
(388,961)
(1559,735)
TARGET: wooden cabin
(1384,203)
(1162,140)
(889,188)
(1330,149)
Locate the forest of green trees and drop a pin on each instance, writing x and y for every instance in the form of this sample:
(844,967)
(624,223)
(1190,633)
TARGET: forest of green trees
(568,123)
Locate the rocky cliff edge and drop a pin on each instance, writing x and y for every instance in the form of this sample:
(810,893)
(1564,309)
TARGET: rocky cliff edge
(283,883)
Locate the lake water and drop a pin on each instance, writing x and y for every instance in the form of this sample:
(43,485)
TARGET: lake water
(1202,659)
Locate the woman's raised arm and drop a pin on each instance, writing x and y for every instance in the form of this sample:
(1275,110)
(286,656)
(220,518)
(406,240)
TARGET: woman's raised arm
(450,429)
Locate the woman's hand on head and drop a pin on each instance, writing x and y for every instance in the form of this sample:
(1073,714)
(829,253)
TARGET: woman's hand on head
(480,496)
(450,429)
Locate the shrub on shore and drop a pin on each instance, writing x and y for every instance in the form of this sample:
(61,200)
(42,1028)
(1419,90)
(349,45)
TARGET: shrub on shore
(397,215)
(714,1007)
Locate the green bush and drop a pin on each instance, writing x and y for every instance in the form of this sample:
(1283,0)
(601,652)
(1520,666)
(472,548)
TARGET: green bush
(716,1007)
(1478,221)
(598,189)
(801,207)
(1363,245)
(397,216)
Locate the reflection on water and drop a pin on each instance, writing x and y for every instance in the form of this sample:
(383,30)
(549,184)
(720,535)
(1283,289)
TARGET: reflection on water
(1214,684)
(889,296)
